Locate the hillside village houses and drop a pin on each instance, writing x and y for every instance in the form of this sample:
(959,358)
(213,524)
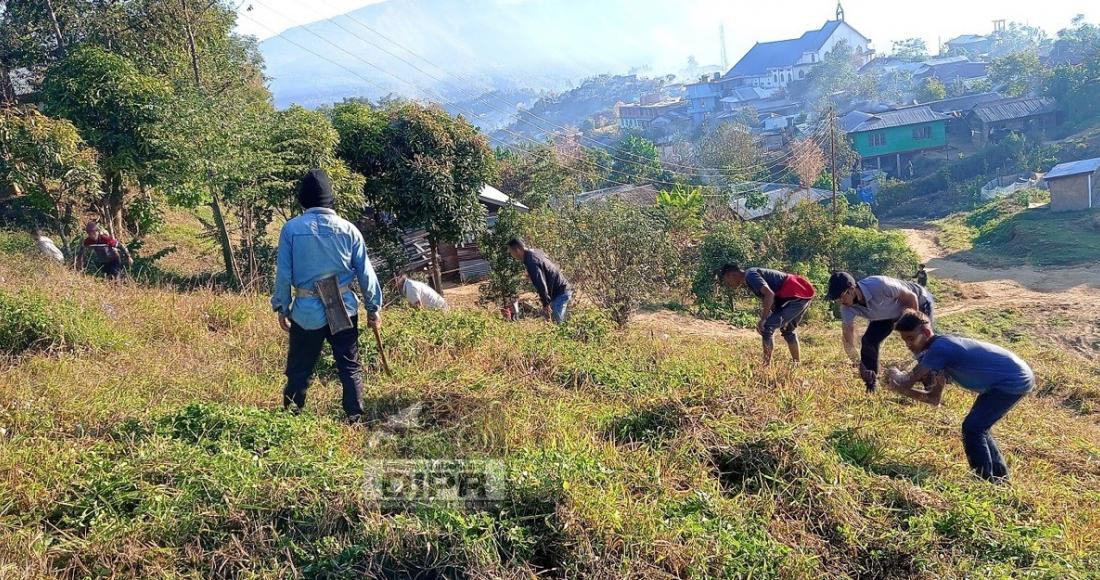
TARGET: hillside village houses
(888,135)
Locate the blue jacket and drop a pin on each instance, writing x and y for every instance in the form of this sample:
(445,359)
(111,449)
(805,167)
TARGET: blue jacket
(315,245)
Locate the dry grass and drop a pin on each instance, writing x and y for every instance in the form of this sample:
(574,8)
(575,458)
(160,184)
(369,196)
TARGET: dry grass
(637,454)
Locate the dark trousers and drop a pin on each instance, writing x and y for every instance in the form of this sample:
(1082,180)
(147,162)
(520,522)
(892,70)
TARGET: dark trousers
(301,358)
(785,319)
(112,270)
(877,332)
(981,450)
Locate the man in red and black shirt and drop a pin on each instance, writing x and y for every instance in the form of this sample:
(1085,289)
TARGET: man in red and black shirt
(107,252)
(786,299)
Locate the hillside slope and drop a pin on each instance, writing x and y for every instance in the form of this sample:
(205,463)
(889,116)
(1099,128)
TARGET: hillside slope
(461,50)
(144,440)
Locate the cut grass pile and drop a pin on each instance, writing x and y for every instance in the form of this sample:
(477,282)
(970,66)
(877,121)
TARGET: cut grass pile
(625,454)
(1004,233)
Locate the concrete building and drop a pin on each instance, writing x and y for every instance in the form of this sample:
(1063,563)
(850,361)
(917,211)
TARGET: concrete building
(1075,186)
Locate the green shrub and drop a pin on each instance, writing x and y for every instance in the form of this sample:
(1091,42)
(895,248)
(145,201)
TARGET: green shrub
(586,325)
(807,240)
(867,252)
(617,253)
(14,242)
(31,323)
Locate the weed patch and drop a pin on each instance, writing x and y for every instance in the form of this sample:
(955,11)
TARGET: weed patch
(31,323)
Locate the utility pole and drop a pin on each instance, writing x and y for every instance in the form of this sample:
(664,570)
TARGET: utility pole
(832,154)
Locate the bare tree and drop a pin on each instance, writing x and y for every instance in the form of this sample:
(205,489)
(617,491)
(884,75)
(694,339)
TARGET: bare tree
(807,161)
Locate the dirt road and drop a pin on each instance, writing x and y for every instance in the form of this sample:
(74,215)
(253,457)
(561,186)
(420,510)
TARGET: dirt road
(1070,294)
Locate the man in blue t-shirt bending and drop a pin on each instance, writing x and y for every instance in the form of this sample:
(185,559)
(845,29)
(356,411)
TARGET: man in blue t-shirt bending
(999,377)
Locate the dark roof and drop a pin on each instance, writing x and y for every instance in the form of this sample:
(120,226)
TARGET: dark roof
(639,194)
(776,194)
(949,71)
(782,53)
(858,122)
(1074,168)
(963,103)
(1018,108)
(968,39)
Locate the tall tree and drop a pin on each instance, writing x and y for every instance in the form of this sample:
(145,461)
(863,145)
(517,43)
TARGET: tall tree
(50,164)
(932,89)
(1017,74)
(910,49)
(118,110)
(732,150)
(635,161)
(423,166)
(535,175)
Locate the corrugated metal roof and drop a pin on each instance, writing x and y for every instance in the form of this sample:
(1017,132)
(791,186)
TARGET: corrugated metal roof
(490,194)
(858,122)
(953,70)
(964,103)
(1006,109)
(777,193)
(1073,168)
(640,194)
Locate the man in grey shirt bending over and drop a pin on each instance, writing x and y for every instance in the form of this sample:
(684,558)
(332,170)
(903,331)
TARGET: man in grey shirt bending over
(881,300)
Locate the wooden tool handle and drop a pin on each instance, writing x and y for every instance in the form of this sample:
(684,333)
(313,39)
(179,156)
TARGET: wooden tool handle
(381,351)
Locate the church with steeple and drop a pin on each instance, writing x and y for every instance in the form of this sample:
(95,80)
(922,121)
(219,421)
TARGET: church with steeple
(778,63)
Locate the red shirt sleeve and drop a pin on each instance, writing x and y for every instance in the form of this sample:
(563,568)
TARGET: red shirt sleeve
(102,239)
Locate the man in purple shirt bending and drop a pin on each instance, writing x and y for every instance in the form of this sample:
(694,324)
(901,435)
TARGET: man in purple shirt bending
(999,377)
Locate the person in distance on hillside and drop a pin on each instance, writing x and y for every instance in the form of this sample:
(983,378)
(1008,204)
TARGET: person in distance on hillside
(881,300)
(419,294)
(46,246)
(547,278)
(109,255)
(315,246)
(922,276)
(998,376)
(786,299)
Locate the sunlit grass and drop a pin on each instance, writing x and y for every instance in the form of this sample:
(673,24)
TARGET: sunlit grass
(628,454)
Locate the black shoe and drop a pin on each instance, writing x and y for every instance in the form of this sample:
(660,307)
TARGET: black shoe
(293,409)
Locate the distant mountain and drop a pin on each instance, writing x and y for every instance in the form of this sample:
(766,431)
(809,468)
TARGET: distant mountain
(491,45)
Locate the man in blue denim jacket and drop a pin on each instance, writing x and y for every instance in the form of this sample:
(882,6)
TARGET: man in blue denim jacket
(315,245)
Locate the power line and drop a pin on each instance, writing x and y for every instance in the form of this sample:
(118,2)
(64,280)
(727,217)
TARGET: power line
(770,168)
(696,170)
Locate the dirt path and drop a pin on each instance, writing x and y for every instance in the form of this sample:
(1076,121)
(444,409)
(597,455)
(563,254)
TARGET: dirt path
(1042,281)
(1070,294)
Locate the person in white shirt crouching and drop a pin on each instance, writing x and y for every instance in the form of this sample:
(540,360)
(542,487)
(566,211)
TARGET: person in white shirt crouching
(419,294)
(46,246)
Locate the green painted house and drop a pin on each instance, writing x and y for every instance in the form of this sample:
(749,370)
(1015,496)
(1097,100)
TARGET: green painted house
(888,140)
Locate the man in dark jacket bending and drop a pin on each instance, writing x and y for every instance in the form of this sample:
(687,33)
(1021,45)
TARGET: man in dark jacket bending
(546,277)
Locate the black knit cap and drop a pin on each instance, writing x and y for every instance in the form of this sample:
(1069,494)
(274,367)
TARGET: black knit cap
(315,190)
(838,283)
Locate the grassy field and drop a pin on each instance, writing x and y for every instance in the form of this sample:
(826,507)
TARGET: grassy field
(141,437)
(1003,233)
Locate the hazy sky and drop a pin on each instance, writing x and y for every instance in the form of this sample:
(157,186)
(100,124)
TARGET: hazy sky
(748,22)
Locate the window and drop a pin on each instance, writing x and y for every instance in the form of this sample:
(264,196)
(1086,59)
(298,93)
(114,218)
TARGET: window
(802,74)
(878,139)
(922,132)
